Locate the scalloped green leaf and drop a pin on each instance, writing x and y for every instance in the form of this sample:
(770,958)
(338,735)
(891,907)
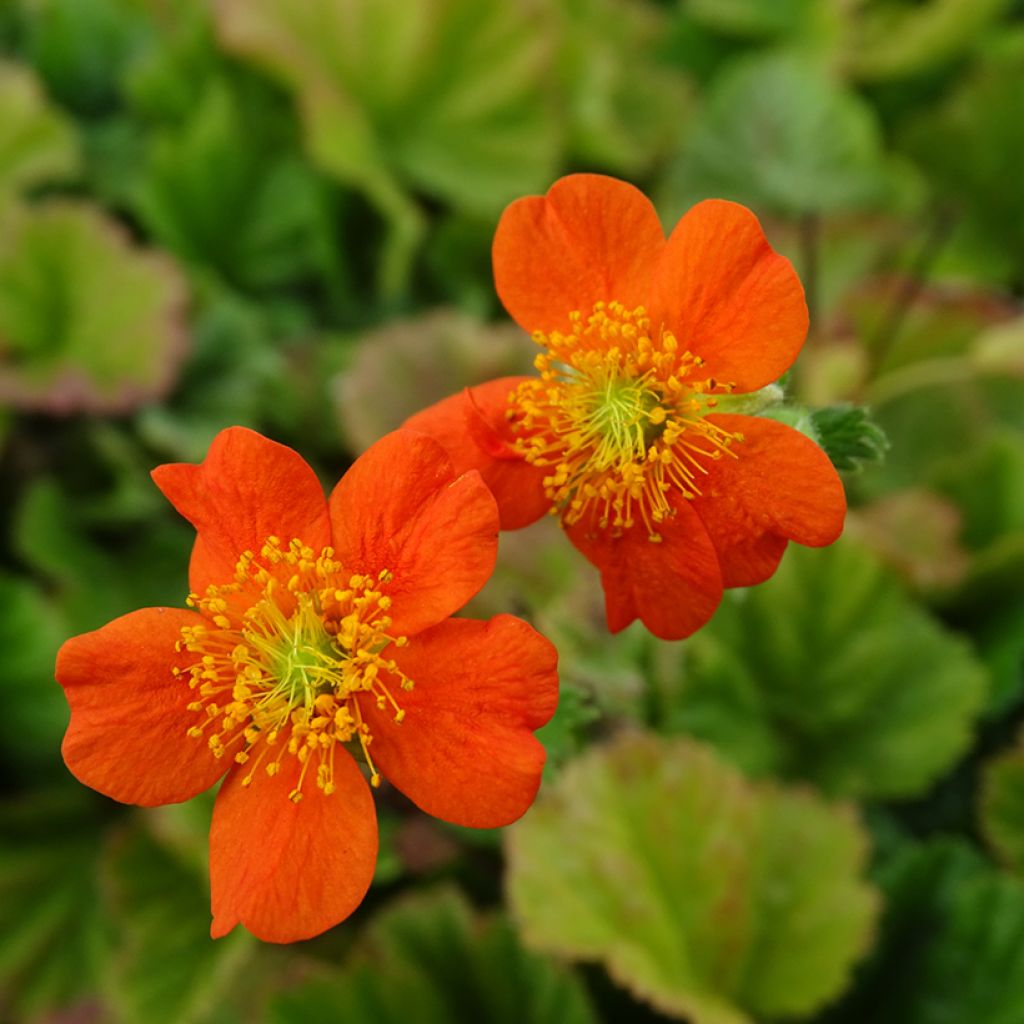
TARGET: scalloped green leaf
(714,898)
(164,966)
(431,956)
(87,319)
(777,133)
(829,672)
(951,944)
(1002,807)
(37,143)
(51,934)
(447,97)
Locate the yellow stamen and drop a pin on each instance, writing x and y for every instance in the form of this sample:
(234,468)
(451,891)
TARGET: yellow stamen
(618,417)
(285,652)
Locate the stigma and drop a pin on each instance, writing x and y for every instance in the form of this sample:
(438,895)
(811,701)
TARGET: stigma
(617,418)
(288,655)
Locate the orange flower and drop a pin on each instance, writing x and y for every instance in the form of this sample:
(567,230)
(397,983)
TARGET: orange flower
(627,434)
(319,628)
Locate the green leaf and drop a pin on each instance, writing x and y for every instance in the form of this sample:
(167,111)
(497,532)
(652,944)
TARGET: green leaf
(432,957)
(829,672)
(974,141)
(714,898)
(625,108)
(51,938)
(87,319)
(165,967)
(448,97)
(82,47)
(778,134)
(1002,807)
(37,144)
(849,435)
(257,222)
(753,17)
(951,947)
(35,712)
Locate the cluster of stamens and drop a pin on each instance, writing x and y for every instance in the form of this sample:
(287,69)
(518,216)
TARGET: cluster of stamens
(288,652)
(618,415)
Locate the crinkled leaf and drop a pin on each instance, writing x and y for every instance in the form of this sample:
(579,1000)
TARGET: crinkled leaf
(35,712)
(430,956)
(951,948)
(87,319)
(829,672)
(717,899)
(164,966)
(37,144)
(1002,807)
(849,435)
(408,364)
(778,134)
(51,939)
(447,97)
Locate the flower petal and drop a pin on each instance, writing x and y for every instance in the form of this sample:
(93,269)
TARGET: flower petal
(401,507)
(465,751)
(247,489)
(729,297)
(673,586)
(128,736)
(781,486)
(590,239)
(288,871)
(474,431)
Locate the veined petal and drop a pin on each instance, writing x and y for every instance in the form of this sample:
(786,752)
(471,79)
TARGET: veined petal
(729,297)
(465,751)
(402,508)
(590,239)
(781,486)
(128,736)
(247,489)
(288,871)
(673,586)
(473,428)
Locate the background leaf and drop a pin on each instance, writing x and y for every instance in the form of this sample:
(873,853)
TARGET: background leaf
(829,673)
(718,900)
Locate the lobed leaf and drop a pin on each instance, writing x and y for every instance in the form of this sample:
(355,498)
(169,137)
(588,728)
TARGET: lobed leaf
(718,900)
(829,672)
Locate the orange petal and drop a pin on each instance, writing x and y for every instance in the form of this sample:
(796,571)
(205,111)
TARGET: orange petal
(128,736)
(673,586)
(590,239)
(401,507)
(474,430)
(781,486)
(465,751)
(729,297)
(288,871)
(248,489)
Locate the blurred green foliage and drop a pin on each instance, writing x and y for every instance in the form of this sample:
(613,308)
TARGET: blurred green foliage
(279,214)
